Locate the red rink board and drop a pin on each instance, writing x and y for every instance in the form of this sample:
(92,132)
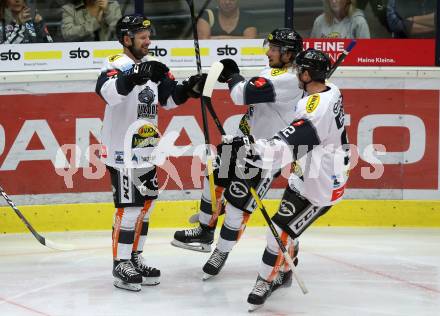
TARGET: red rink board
(61,112)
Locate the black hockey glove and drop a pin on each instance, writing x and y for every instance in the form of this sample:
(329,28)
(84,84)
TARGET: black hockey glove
(194,85)
(230,69)
(239,142)
(148,70)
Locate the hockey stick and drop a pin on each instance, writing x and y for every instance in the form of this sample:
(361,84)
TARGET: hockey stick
(42,240)
(214,72)
(341,58)
(275,234)
(211,79)
(204,106)
(199,64)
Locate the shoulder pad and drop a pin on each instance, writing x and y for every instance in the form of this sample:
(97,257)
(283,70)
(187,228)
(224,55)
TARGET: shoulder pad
(114,57)
(258,82)
(120,61)
(278,71)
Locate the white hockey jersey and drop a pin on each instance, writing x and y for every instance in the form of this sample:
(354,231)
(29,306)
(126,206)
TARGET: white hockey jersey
(272,97)
(318,142)
(129,131)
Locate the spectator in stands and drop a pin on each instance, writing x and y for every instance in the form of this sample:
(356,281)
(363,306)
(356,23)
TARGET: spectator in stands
(412,18)
(379,8)
(90,20)
(340,19)
(18,25)
(226,21)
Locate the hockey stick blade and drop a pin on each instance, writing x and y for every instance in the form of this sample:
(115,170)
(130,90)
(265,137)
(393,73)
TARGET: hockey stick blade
(213,74)
(58,246)
(341,58)
(42,240)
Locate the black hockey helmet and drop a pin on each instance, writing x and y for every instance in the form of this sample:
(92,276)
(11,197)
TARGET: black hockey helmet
(130,24)
(316,62)
(286,38)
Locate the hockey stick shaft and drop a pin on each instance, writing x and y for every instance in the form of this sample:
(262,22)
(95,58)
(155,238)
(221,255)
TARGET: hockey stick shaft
(275,234)
(42,240)
(341,58)
(209,156)
(199,65)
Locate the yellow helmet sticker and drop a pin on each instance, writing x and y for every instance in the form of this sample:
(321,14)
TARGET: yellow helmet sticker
(270,37)
(114,57)
(146,23)
(312,103)
(278,71)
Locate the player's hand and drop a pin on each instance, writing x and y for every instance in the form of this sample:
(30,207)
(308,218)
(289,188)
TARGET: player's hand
(239,142)
(194,85)
(24,15)
(230,69)
(153,70)
(149,70)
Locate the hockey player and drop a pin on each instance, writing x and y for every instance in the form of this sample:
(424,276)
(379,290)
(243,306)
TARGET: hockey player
(133,85)
(271,97)
(317,141)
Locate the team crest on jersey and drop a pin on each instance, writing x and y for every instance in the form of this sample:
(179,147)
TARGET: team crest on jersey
(114,57)
(278,71)
(146,109)
(146,96)
(312,103)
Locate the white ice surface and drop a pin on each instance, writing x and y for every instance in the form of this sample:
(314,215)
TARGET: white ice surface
(347,271)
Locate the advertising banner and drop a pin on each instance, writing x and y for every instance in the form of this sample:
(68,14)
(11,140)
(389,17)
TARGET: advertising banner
(48,142)
(180,53)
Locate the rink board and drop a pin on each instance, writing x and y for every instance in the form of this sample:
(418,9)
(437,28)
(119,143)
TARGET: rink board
(99,216)
(395,108)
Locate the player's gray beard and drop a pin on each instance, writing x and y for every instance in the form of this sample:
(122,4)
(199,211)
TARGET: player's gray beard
(136,52)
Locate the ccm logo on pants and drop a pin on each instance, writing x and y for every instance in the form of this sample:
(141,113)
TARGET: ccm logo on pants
(298,225)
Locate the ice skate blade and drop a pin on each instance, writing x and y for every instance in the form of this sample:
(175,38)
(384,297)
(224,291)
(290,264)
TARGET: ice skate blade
(253,307)
(134,287)
(194,247)
(207,276)
(150,281)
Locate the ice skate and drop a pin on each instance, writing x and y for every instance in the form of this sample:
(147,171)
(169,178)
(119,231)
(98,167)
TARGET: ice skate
(214,264)
(126,276)
(284,279)
(150,275)
(259,294)
(196,239)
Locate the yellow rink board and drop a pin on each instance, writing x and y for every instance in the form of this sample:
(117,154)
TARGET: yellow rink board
(99,216)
